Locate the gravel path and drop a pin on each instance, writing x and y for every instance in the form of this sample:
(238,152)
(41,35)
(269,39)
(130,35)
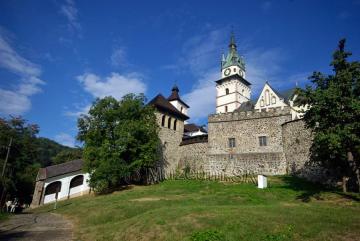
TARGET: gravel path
(39,227)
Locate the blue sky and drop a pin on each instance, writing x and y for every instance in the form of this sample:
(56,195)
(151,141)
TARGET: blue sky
(57,56)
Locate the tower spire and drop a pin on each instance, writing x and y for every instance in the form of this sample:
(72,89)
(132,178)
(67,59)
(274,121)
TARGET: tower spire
(232,45)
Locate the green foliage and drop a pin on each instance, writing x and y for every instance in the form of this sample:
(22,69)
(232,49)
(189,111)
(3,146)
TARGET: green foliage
(67,155)
(21,168)
(209,235)
(47,150)
(120,138)
(334,114)
(287,234)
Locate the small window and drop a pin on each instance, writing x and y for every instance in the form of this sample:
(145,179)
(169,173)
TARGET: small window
(262,140)
(231,142)
(163,120)
(273,100)
(226,109)
(169,123)
(234,70)
(181,109)
(262,103)
(175,122)
(227,91)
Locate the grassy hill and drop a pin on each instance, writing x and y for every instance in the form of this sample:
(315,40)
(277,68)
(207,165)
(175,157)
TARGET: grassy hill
(290,209)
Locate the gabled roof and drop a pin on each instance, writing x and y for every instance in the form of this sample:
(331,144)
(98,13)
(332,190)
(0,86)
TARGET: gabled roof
(236,76)
(60,169)
(245,106)
(162,104)
(193,128)
(175,96)
(286,95)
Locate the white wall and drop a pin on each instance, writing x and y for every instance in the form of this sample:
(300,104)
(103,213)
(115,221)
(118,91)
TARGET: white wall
(238,93)
(65,186)
(180,107)
(269,99)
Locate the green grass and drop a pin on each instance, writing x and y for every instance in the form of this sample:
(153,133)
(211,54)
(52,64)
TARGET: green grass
(290,209)
(4,216)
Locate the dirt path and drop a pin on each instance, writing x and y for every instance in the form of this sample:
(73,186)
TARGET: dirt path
(42,226)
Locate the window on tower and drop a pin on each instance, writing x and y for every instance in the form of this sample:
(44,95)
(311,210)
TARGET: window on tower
(227,91)
(163,120)
(262,140)
(169,123)
(231,142)
(226,109)
(175,122)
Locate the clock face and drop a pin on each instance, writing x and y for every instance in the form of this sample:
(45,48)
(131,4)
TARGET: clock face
(227,72)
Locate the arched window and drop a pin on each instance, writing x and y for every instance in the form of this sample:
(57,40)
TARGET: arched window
(267,97)
(169,123)
(226,108)
(53,187)
(175,122)
(163,120)
(227,91)
(77,181)
(273,100)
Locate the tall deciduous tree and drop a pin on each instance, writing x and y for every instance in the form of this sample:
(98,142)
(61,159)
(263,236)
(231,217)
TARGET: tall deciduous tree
(334,116)
(120,138)
(21,167)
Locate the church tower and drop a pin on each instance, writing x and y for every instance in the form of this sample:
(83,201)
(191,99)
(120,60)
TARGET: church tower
(232,89)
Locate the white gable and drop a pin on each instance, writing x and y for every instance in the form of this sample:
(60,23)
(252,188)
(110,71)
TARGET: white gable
(269,99)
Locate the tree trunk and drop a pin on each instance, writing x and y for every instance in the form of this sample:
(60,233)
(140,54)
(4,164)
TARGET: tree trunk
(344,183)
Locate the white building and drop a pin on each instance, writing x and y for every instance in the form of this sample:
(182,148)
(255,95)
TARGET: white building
(65,180)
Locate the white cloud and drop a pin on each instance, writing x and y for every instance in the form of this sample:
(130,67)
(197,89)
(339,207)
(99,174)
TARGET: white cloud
(203,52)
(115,84)
(118,58)
(80,110)
(17,101)
(201,98)
(65,139)
(69,10)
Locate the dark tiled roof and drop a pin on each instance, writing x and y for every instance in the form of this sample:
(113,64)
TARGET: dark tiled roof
(175,96)
(162,104)
(236,76)
(194,139)
(245,106)
(193,128)
(60,169)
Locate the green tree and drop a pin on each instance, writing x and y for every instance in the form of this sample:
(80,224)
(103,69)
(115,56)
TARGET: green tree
(67,155)
(21,167)
(120,138)
(334,116)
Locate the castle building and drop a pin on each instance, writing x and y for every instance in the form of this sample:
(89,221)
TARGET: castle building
(265,136)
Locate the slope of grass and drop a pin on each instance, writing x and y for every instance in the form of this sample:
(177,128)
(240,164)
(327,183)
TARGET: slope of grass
(290,209)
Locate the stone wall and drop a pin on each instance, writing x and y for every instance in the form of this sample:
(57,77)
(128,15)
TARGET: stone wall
(194,155)
(246,128)
(297,141)
(170,142)
(272,163)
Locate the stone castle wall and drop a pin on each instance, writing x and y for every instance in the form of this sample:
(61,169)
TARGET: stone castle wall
(194,155)
(297,141)
(287,150)
(170,143)
(246,128)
